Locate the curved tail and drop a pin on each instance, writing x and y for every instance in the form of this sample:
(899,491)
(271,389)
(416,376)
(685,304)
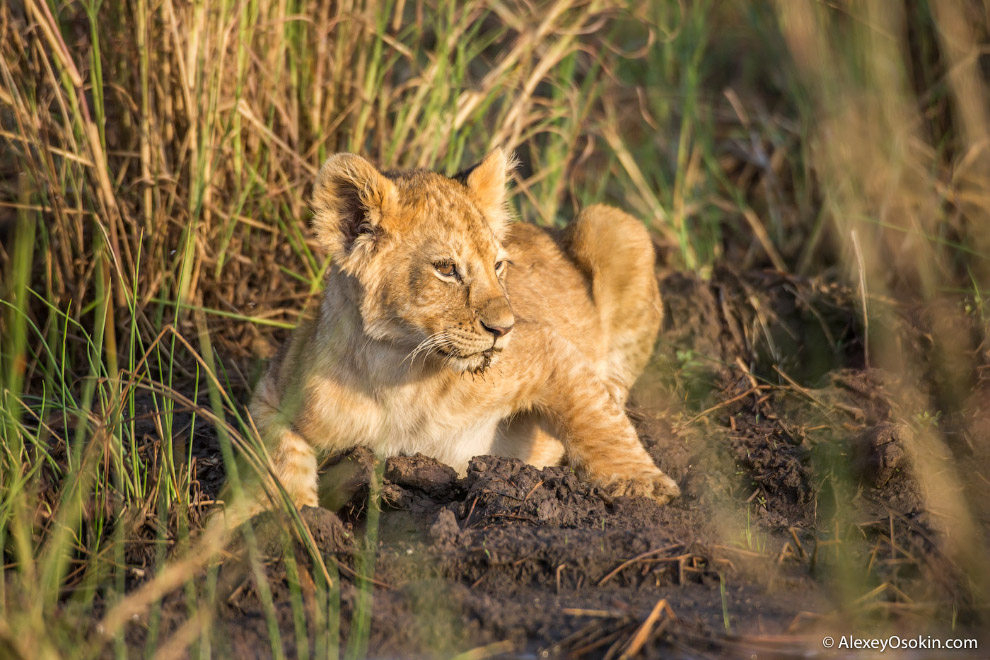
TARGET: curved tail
(615,252)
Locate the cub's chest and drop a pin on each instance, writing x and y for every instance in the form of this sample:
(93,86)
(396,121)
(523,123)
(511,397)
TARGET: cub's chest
(396,418)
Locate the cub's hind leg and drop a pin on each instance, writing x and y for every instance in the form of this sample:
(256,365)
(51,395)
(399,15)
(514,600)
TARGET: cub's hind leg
(616,254)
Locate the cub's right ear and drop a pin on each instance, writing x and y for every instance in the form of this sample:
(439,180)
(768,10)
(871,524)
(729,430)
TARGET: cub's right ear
(350,198)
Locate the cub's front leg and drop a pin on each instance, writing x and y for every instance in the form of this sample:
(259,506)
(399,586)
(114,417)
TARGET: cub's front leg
(293,460)
(599,439)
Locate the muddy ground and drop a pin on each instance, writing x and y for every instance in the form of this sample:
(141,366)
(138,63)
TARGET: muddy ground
(800,515)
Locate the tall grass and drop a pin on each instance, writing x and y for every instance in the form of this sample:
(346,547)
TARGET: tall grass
(155,160)
(905,152)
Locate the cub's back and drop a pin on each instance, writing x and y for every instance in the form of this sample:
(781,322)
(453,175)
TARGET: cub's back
(547,289)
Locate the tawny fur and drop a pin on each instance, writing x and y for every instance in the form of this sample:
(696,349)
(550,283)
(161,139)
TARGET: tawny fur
(532,359)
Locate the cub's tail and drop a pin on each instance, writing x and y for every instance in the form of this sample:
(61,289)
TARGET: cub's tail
(615,252)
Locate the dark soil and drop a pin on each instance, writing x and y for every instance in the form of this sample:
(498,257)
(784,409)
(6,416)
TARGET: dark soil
(799,518)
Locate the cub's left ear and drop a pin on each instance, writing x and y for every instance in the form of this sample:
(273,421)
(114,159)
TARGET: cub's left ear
(486,183)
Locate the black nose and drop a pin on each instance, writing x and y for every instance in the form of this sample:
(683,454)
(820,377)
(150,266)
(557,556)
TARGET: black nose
(497,330)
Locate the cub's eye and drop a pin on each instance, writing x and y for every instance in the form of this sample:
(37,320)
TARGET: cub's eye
(446,268)
(499,266)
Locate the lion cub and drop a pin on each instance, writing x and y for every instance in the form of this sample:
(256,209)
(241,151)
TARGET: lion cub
(447,330)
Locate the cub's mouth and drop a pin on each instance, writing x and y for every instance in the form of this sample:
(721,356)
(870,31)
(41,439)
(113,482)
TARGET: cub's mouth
(488,357)
(475,363)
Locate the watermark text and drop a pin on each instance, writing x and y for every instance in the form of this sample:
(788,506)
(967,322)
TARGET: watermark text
(897,642)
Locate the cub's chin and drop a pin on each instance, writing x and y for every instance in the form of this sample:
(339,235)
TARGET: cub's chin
(476,364)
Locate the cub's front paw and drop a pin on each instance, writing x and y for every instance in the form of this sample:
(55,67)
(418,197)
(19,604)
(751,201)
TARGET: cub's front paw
(653,484)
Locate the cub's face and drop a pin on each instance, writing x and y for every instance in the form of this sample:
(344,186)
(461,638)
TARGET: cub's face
(426,252)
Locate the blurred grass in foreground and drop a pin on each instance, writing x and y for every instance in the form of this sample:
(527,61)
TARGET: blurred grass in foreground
(154,165)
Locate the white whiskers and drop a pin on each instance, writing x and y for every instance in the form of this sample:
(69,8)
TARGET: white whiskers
(436,340)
